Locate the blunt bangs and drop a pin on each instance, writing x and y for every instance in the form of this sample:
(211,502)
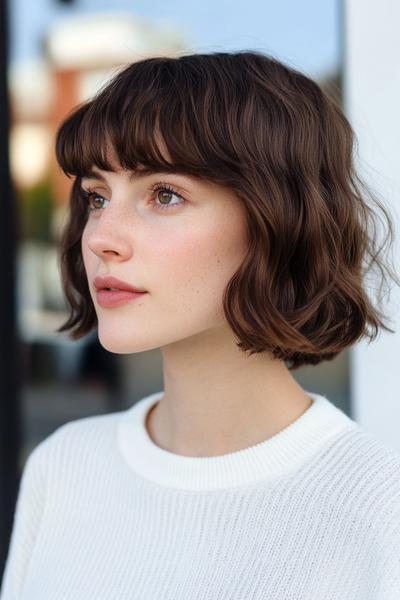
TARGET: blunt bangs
(164,115)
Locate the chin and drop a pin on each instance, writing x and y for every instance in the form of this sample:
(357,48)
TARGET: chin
(123,344)
(130,337)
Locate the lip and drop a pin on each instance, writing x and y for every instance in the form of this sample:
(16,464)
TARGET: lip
(115,298)
(123,292)
(108,281)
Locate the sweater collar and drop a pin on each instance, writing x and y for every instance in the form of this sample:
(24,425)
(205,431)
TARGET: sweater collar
(273,458)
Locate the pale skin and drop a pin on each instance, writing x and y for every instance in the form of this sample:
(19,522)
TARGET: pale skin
(217,399)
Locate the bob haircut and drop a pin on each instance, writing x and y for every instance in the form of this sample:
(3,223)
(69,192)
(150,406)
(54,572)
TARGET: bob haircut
(245,121)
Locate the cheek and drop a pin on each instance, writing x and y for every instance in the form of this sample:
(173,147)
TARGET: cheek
(196,265)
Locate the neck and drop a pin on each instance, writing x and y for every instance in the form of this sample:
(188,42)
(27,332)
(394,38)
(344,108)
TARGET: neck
(218,400)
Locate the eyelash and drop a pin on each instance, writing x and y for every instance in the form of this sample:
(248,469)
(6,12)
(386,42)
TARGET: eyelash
(157,187)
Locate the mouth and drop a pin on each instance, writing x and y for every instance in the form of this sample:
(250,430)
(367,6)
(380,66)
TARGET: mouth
(111,283)
(113,297)
(112,292)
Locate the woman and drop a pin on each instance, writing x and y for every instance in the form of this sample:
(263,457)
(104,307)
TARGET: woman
(214,214)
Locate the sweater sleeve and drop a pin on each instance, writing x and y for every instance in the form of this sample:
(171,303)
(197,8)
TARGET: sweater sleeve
(27,517)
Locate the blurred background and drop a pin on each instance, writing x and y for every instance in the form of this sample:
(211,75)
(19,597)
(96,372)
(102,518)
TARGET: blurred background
(58,54)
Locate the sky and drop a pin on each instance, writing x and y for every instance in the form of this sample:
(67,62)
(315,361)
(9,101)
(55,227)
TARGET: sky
(306,34)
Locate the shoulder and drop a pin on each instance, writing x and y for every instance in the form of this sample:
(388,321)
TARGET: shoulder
(362,476)
(75,442)
(367,458)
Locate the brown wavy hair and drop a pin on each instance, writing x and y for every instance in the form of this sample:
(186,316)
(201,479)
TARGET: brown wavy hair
(271,134)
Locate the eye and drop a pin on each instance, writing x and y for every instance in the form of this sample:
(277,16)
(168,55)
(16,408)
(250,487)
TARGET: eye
(164,194)
(164,197)
(91,198)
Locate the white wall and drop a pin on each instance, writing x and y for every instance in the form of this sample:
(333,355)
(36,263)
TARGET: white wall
(372,104)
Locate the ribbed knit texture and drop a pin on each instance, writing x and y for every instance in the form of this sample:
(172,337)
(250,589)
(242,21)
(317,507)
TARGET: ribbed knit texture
(103,513)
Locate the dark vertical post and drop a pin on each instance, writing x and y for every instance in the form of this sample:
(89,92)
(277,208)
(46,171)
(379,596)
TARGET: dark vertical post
(10,422)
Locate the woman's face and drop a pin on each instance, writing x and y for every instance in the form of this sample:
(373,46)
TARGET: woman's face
(178,238)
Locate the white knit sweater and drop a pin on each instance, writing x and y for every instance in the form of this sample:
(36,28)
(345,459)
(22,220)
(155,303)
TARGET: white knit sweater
(103,513)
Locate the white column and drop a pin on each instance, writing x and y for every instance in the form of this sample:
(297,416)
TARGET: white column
(372,104)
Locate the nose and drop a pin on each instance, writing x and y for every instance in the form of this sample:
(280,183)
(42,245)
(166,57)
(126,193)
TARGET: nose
(107,237)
